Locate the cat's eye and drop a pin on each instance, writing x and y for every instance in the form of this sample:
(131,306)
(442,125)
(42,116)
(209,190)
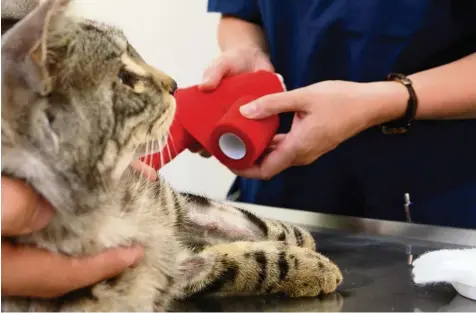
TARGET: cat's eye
(127,78)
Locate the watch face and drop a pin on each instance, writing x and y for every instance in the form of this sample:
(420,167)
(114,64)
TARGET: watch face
(400,78)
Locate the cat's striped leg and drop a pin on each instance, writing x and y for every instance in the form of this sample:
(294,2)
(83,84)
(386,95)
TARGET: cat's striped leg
(258,268)
(213,222)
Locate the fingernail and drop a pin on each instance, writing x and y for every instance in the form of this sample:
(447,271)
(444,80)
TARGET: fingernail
(133,255)
(249,110)
(206,84)
(206,79)
(42,216)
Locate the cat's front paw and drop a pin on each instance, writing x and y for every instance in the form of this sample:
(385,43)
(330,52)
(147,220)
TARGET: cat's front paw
(314,275)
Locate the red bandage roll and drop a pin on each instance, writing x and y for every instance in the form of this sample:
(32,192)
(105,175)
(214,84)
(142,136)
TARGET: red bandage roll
(238,142)
(212,120)
(178,140)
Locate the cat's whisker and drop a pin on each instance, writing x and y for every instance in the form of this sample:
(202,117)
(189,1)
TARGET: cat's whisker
(146,186)
(168,147)
(131,199)
(149,151)
(141,172)
(161,147)
(104,183)
(157,146)
(153,151)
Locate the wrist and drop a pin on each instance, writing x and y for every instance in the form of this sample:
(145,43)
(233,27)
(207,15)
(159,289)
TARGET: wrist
(385,101)
(234,33)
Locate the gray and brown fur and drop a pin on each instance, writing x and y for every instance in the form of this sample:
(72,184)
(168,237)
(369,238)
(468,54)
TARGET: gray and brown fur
(77,101)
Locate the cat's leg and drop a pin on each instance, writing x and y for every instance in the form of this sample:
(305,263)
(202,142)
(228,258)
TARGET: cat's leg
(258,268)
(212,222)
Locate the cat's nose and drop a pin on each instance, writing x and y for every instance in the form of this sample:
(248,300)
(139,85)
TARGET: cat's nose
(173,87)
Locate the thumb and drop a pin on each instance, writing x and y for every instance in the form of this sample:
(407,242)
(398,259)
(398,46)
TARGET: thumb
(213,75)
(23,211)
(273,104)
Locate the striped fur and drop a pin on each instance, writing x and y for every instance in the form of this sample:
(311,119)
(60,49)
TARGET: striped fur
(71,120)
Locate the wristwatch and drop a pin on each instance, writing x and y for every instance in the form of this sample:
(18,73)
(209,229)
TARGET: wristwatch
(402,125)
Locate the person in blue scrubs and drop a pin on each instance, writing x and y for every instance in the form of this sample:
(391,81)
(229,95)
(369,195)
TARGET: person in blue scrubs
(333,153)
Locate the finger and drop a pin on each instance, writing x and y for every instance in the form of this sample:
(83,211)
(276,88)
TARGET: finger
(145,170)
(291,101)
(201,151)
(274,163)
(234,63)
(23,211)
(213,75)
(205,154)
(31,272)
(275,142)
(195,148)
(277,139)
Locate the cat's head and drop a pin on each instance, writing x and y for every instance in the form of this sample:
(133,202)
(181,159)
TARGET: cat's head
(77,100)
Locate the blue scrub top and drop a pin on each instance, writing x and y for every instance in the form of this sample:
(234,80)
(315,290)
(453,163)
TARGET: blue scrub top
(363,41)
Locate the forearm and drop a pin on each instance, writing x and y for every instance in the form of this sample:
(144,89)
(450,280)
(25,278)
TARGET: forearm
(444,92)
(235,33)
(447,92)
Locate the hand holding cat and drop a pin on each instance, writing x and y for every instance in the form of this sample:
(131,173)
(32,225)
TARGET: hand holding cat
(33,272)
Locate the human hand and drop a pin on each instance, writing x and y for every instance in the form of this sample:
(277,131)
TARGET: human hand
(33,272)
(326,114)
(235,61)
(232,62)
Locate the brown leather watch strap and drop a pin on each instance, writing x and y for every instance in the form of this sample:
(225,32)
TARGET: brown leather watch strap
(402,125)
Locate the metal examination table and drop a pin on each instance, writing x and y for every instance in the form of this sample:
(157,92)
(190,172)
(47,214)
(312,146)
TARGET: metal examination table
(373,257)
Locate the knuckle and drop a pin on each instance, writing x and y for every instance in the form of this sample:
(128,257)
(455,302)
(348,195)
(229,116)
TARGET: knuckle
(216,62)
(306,160)
(227,60)
(266,176)
(214,66)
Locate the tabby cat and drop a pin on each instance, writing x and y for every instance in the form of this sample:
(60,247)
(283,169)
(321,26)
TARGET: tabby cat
(77,102)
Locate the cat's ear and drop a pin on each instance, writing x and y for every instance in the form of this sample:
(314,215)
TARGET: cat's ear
(24,46)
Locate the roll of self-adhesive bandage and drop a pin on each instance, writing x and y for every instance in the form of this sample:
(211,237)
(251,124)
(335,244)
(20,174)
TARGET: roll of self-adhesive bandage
(213,121)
